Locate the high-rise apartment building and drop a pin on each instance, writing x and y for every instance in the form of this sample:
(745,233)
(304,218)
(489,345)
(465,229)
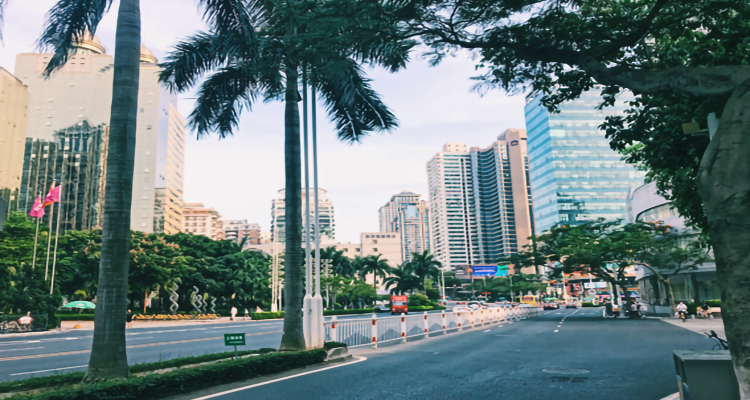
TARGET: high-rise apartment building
(409,216)
(82,91)
(76,160)
(325,212)
(575,175)
(14,108)
(480,208)
(239,229)
(201,220)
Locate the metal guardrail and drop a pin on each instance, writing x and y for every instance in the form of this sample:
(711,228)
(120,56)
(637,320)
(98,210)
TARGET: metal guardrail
(22,323)
(371,331)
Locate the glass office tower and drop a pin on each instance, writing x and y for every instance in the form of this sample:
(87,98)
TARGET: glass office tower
(575,176)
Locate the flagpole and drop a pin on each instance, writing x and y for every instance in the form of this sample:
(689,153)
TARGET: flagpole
(59,213)
(57,235)
(49,235)
(36,235)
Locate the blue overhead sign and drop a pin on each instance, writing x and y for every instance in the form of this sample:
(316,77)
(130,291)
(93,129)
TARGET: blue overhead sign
(480,271)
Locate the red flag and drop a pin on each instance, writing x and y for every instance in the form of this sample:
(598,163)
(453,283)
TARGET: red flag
(53,196)
(37,211)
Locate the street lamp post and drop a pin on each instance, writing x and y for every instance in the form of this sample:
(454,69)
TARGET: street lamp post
(318,331)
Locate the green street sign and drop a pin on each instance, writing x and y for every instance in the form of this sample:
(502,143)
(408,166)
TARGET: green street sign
(234,339)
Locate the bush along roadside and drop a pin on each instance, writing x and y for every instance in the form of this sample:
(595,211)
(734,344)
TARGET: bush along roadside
(55,381)
(186,380)
(589,304)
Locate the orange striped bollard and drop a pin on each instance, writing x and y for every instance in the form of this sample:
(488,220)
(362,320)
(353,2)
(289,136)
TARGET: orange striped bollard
(374,332)
(403,328)
(442,316)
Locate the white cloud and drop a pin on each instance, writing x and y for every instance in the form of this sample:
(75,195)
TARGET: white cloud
(240,175)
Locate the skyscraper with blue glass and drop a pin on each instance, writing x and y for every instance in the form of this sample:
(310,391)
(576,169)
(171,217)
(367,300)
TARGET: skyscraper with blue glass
(575,176)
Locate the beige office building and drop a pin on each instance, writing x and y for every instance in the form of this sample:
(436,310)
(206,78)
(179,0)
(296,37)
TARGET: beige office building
(82,91)
(408,216)
(201,220)
(480,201)
(14,107)
(239,229)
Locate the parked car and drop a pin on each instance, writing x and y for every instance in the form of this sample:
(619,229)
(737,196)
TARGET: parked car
(381,309)
(551,306)
(571,305)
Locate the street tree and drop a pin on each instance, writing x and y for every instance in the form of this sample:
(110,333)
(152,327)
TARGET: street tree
(376,266)
(424,266)
(68,22)
(284,47)
(563,49)
(402,280)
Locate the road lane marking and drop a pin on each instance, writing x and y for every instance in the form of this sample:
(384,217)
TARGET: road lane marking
(28,348)
(555,330)
(360,359)
(488,330)
(139,338)
(67,353)
(558,326)
(46,370)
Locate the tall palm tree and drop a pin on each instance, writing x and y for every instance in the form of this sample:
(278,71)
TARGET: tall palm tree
(402,280)
(68,22)
(376,266)
(283,41)
(424,266)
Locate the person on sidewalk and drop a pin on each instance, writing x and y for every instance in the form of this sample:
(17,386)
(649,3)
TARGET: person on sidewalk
(247,314)
(705,309)
(233,313)
(129,319)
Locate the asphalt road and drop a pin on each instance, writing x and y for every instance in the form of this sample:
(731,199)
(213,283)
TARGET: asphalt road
(47,354)
(584,357)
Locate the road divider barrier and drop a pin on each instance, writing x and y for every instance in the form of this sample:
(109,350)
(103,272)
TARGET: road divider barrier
(374,330)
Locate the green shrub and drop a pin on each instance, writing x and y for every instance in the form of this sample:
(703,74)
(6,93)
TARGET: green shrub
(333,345)
(280,314)
(268,315)
(589,304)
(419,300)
(185,380)
(75,377)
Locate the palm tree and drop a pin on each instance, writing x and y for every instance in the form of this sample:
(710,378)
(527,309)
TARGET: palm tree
(376,266)
(265,60)
(340,264)
(68,22)
(402,280)
(424,266)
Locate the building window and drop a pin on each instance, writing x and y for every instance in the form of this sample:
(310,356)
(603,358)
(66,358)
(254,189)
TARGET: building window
(374,249)
(374,241)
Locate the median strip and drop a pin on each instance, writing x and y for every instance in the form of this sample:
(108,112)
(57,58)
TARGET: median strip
(68,353)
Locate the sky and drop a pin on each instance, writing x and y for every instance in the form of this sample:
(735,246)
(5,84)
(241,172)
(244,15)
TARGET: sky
(242,174)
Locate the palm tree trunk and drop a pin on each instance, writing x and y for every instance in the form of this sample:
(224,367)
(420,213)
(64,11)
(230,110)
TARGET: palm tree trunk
(293,338)
(108,356)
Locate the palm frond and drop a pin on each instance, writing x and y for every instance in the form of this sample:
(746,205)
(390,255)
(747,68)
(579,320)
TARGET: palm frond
(67,23)
(2,6)
(350,100)
(190,59)
(224,95)
(234,19)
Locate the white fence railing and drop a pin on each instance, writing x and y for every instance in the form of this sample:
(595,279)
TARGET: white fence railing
(361,332)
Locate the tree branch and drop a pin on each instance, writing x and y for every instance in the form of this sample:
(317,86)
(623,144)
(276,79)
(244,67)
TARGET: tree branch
(711,81)
(633,37)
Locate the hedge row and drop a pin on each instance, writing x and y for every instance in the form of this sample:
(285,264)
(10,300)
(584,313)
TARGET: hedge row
(589,304)
(185,380)
(76,377)
(425,308)
(693,307)
(280,314)
(74,317)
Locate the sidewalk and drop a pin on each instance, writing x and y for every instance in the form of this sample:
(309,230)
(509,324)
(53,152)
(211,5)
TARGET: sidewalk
(699,325)
(89,325)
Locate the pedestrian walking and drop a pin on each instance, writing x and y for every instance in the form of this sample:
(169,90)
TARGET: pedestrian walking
(129,319)
(232,313)
(247,314)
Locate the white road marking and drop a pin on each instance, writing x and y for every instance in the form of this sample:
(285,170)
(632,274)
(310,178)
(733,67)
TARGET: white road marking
(33,341)
(28,348)
(277,380)
(555,330)
(558,326)
(47,370)
(139,338)
(488,330)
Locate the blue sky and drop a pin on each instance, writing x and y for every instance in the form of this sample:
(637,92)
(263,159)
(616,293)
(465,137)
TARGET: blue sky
(240,175)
